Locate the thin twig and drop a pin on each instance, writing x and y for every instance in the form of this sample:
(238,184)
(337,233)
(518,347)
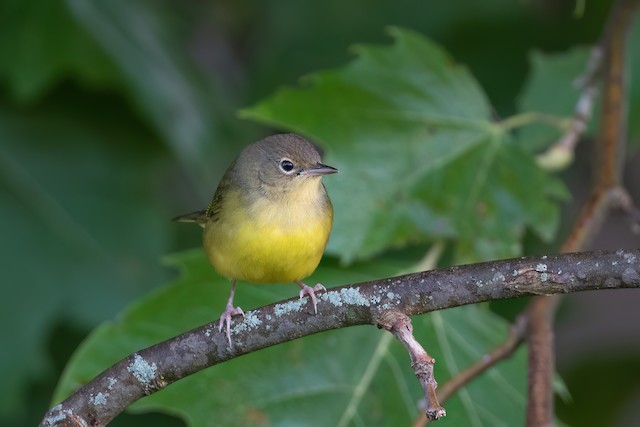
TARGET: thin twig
(561,153)
(503,351)
(590,220)
(625,203)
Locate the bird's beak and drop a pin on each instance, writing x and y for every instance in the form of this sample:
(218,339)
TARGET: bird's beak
(320,170)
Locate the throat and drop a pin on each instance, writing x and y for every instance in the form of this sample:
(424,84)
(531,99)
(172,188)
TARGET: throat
(292,207)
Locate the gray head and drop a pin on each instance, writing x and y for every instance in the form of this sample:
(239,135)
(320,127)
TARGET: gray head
(281,162)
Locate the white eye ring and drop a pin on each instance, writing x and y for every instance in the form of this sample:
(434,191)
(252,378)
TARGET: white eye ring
(286,166)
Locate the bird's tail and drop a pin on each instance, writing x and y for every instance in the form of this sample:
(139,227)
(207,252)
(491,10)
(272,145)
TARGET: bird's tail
(199,217)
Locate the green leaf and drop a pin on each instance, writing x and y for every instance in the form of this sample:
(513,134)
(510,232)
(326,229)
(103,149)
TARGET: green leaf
(349,377)
(556,74)
(551,89)
(497,199)
(419,156)
(461,336)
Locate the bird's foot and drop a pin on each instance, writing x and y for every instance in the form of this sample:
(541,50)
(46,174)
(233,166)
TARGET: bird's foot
(308,290)
(226,316)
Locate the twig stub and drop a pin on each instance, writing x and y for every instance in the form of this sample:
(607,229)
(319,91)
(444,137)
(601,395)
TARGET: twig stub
(399,324)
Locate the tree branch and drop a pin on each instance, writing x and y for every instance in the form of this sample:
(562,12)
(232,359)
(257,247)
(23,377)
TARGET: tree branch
(155,367)
(612,137)
(607,194)
(540,338)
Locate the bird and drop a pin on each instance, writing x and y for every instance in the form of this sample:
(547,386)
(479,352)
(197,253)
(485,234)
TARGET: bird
(269,219)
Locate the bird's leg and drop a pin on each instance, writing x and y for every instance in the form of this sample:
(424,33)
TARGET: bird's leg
(307,290)
(229,312)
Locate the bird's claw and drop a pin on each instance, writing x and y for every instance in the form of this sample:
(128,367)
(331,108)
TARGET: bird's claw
(308,290)
(226,316)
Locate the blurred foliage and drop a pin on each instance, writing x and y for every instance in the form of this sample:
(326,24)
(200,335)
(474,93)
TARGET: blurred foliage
(42,45)
(116,116)
(83,225)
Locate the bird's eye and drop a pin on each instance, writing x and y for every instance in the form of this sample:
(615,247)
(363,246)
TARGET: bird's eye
(286,165)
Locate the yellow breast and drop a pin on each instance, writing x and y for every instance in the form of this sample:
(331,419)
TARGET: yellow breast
(268,241)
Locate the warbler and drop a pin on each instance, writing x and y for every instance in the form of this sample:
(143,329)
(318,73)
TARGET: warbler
(270,218)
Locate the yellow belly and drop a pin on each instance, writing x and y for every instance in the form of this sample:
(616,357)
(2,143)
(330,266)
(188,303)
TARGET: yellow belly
(269,243)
